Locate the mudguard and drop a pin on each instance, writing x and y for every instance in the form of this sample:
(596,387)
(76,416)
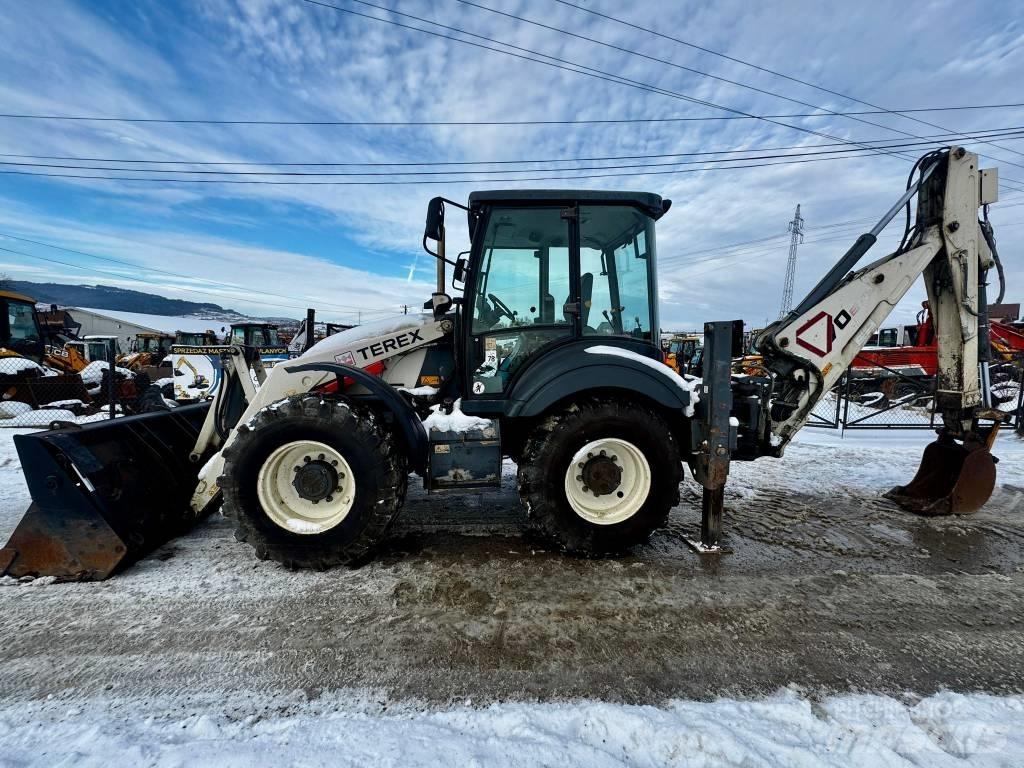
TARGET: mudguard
(572,369)
(405,415)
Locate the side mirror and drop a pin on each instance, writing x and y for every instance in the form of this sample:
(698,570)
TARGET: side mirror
(435,220)
(460,272)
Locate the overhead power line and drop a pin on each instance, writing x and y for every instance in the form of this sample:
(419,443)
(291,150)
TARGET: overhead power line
(443,123)
(776,73)
(454,180)
(675,65)
(860,151)
(937,138)
(393,182)
(548,60)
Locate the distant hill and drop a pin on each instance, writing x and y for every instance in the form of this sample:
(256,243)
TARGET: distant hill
(109,297)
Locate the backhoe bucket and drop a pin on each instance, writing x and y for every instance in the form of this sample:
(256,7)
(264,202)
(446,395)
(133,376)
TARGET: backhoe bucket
(104,495)
(953,479)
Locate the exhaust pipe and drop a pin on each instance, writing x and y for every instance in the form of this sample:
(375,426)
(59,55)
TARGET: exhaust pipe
(104,495)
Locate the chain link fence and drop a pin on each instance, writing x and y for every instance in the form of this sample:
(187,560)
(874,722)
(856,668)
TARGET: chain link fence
(887,398)
(34,395)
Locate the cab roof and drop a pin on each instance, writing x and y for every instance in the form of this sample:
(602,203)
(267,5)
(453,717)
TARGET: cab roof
(17,297)
(651,204)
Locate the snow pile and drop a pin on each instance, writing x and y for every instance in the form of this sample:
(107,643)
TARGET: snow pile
(11,409)
(92,374)
(423,391)
(946,729)
(64,404)
(456,421)
(16,366)
(690,386)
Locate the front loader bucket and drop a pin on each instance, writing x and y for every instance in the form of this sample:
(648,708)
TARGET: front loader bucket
(953,479)
(104,495)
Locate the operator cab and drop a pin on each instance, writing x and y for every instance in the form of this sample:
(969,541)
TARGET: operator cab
(548,268)
(192,339)
(19,326)
(255,335)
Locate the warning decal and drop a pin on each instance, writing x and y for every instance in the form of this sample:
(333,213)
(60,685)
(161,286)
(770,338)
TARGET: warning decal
(817,334)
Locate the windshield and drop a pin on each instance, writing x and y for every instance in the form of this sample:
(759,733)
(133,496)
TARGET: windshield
(21,318)
(257,336)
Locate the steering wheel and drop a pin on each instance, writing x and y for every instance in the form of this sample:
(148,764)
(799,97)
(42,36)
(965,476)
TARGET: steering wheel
(501,306)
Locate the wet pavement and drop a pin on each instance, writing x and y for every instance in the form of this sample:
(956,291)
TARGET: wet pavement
(831,591)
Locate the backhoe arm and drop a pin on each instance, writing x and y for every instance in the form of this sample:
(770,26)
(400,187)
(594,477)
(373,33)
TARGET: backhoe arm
(809,350)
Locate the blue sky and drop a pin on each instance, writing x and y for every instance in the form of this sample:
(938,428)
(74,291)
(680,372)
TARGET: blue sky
(272,250)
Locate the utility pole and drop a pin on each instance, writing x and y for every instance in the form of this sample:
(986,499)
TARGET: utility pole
(405,309)
(796,229)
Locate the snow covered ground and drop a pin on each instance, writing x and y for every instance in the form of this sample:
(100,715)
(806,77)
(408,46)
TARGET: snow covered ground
(839,632)
(782,730)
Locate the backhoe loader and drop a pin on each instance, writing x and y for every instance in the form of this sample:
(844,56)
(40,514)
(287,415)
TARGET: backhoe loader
(550,356)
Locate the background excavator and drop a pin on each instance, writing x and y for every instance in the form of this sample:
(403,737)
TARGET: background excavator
(551,357)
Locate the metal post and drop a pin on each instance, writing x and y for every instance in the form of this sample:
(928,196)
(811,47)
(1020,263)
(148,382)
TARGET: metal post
(717,435)
(310,327)
(112,380)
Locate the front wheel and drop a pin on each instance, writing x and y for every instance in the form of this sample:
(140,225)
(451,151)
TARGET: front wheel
(599,477)
(313,482)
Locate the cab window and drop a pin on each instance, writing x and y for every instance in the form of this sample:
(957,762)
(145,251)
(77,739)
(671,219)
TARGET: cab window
(523,296)
(21,319)
(616,252)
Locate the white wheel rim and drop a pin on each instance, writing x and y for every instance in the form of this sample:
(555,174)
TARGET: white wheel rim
(621,503)
(282,502)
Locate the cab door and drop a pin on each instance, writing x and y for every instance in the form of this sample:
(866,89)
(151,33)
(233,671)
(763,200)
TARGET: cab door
(523,296)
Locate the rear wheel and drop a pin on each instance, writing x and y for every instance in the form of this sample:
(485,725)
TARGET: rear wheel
(313,482)
(599,477)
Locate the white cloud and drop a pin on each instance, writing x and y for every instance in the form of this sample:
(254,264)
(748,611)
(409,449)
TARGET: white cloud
(290,60)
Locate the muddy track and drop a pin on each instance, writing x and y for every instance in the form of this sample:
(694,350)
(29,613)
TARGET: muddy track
(837,591)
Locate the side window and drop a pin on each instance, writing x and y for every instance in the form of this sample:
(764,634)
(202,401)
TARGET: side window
(519,301)
(887,337)
(616,250)
(525,275)
(21,321)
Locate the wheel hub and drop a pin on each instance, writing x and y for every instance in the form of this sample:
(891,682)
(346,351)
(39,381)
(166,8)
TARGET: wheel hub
(306,487)
(315,480)
(602,475)
(607,481)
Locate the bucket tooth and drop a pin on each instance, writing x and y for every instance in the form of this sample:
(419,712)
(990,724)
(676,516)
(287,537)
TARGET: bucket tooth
(104,495)
(953,478)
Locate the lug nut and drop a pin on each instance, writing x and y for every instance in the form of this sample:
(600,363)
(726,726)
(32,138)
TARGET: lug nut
(579,477)
(306,459)
(585,489)
(330,498)
(620,494)
(321,457)
(298,468)
(603,453)
(316,501)
(334,463)
(590,455)
(614,457)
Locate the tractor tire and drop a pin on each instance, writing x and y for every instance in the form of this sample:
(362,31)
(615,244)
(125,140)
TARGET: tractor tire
(629,457)
(313,482)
